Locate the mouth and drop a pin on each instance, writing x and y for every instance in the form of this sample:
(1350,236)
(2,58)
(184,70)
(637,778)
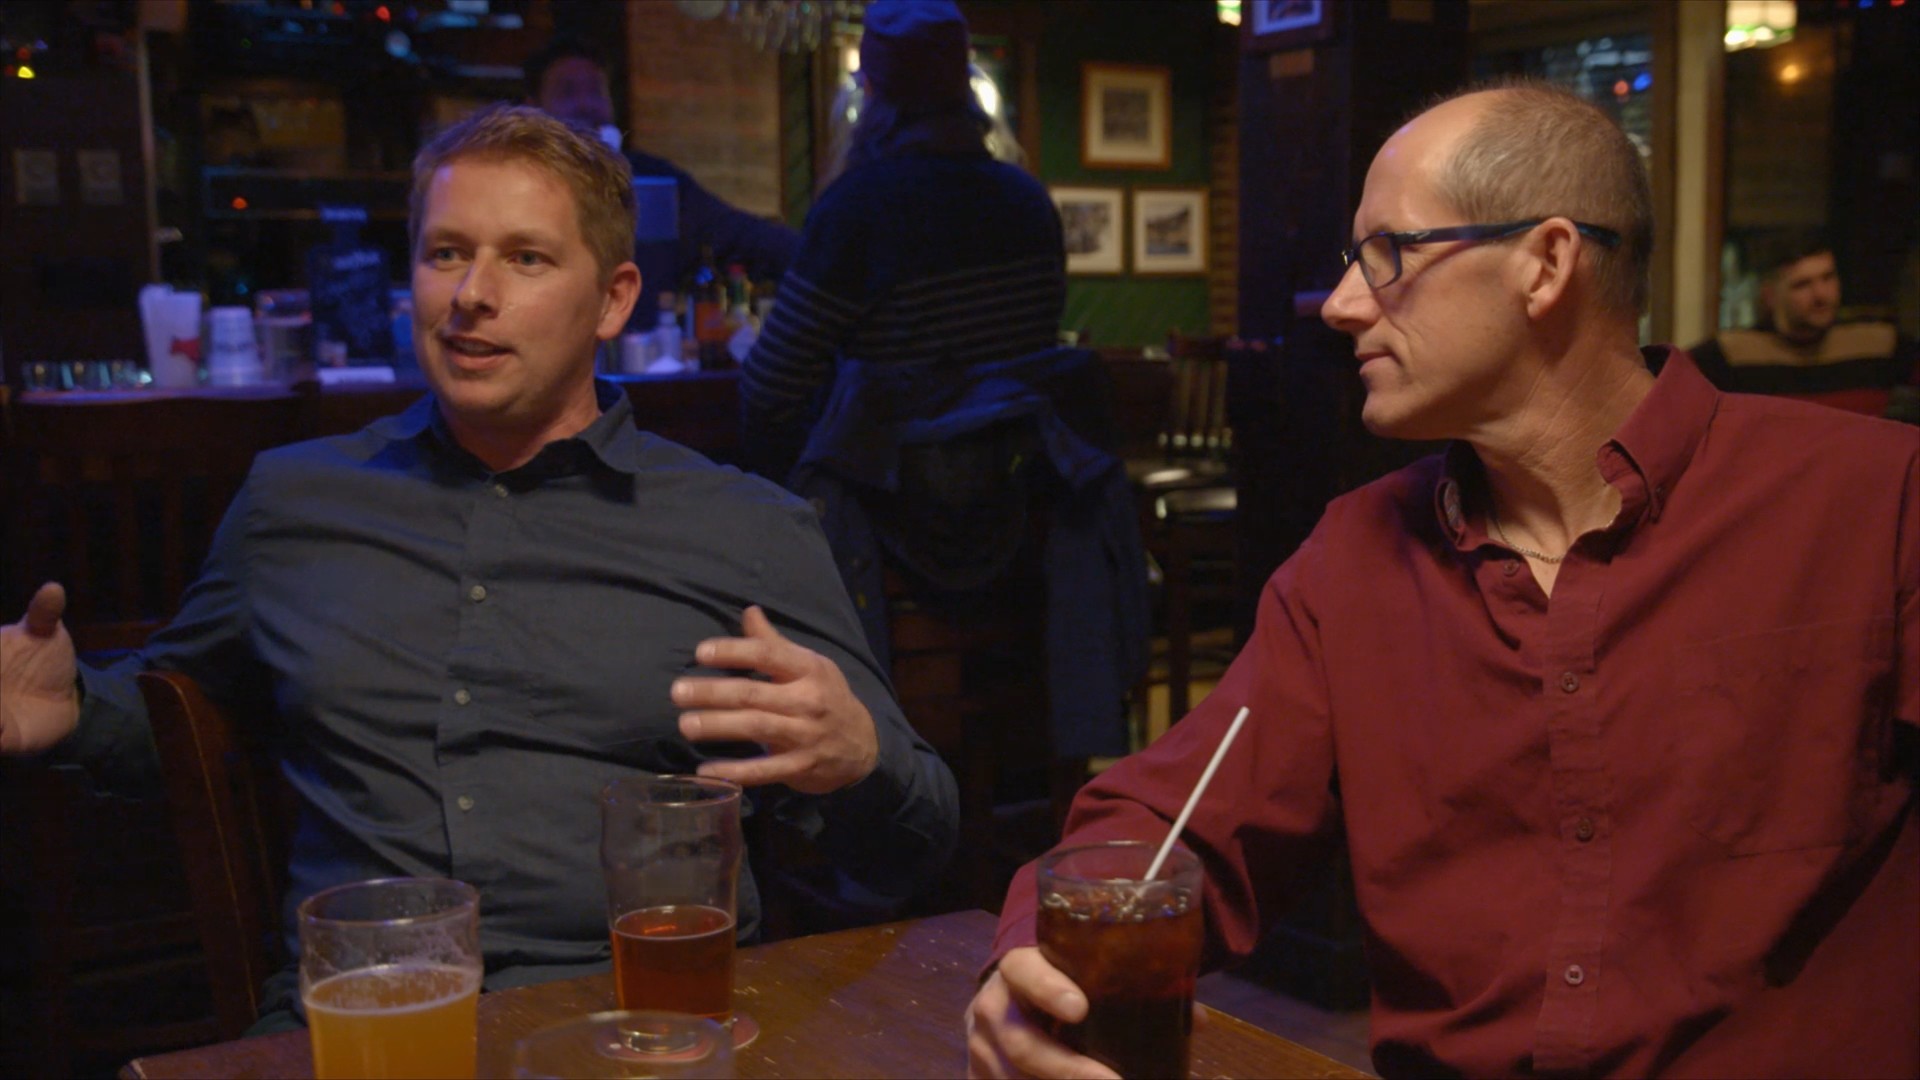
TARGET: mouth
(471,352)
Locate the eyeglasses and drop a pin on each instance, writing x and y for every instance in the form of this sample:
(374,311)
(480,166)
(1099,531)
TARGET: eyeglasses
(1379,254)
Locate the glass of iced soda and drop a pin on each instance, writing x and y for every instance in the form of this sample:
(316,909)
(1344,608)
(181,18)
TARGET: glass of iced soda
(1132,946)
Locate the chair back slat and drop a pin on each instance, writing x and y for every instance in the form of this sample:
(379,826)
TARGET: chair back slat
(231,817)
(107,496)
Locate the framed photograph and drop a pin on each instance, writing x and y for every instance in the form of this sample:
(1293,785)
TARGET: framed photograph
(1288,24)
(1094,221)
(1169,230)
(1125,116)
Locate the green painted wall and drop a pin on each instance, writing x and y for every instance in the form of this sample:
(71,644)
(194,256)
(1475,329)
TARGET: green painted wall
(1178,34)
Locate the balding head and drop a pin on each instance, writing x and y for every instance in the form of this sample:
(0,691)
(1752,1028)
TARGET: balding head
(1525,149)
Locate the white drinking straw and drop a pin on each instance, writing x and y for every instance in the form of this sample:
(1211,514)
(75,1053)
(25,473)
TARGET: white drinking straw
(1193,799)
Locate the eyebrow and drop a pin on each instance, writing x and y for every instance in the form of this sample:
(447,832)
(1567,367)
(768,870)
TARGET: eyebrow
(517,239)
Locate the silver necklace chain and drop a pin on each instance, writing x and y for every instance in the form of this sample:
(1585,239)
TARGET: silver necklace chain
(1494,516)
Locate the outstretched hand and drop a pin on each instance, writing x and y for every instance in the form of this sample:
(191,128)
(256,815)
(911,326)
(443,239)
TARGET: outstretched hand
(39,705)
(818,736)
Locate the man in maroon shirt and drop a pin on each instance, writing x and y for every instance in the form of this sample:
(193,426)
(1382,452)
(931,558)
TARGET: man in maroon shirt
(1615,705)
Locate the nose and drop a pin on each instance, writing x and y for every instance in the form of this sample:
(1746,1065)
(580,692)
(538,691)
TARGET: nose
(476,291)
(1351,305)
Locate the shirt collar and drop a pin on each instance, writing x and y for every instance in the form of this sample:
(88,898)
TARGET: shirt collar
(1644,459)
(612,437)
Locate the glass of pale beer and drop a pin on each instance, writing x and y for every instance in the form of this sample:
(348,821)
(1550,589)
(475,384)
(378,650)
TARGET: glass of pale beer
(671,849)
(390,977)
(627,1046)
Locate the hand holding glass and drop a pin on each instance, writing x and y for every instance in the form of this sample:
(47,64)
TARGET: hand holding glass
(1132,945)
(390,976)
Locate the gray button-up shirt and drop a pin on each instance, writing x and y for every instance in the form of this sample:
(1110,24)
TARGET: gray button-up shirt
(456,661)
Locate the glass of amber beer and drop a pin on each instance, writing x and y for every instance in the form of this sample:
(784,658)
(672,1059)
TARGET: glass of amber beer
(1132,946)
(671,847)
(390,977)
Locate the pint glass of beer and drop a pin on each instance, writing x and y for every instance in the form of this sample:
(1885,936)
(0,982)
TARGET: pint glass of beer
(670,846)
(1132,946)
(390,977)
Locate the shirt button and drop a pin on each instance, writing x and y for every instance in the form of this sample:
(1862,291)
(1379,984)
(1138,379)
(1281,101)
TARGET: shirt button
(461,697)
(1575,975)
(500,490)
(1583,829)
(477,593)
(1569,682)
(464,802)
(1509,567)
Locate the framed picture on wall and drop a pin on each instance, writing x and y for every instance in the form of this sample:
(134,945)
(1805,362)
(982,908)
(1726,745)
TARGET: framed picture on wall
(1169,230)
(1288,24)
(1093,220)
(1125,116)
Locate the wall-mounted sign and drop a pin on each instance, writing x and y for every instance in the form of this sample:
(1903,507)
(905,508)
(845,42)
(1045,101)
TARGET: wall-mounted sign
(100,183)
(36,178)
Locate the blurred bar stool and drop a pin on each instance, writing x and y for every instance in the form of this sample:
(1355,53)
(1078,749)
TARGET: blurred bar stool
(1187,499)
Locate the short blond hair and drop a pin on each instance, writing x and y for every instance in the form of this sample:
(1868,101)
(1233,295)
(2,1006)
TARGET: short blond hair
(1538,151)
(599,177)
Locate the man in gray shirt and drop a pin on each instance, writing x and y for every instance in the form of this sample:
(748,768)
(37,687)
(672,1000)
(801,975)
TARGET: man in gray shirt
(464,620)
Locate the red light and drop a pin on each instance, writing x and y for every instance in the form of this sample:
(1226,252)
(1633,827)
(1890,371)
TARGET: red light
(239,203)
(339,9)
(383,14)
(23,54)
(1620,88)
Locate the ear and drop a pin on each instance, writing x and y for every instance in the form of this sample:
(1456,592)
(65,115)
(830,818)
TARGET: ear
(1551,252)
(616,300)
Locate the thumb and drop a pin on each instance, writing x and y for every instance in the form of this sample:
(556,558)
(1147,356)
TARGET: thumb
(49,603)
(755,624)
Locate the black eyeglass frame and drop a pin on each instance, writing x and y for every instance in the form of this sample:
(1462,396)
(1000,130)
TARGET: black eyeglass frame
(1600,234)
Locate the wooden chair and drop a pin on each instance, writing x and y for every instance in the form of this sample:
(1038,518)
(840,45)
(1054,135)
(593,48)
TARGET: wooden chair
(231,813)
(118,500)
(1185,491)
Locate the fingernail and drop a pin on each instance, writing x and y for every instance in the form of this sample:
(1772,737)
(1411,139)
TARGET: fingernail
(679,689)
(690,725)
(703,653)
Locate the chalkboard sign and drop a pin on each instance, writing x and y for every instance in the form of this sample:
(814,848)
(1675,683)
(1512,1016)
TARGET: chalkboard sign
(349,285)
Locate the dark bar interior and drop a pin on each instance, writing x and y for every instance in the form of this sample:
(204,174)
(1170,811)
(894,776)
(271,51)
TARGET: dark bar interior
(933,421)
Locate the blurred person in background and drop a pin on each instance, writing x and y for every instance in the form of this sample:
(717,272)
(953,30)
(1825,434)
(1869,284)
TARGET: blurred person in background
(1802,349)
(568,79)
(908,383)
(925,249)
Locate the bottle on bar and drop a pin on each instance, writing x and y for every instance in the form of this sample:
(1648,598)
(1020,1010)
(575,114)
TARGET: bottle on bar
(710,313)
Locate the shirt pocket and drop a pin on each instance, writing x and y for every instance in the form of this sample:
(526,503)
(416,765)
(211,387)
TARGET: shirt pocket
(1784,732)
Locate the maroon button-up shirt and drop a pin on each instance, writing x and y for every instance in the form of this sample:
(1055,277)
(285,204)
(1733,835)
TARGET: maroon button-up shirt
(1663,822)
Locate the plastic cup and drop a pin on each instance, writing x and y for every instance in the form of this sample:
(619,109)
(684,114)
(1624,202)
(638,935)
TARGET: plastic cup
(390,977)
(1132,946)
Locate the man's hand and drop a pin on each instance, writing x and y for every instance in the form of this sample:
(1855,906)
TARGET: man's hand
(1003,1038)
(38,703)
(819,737)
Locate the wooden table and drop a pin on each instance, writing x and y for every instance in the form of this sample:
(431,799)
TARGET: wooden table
(881,1001)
